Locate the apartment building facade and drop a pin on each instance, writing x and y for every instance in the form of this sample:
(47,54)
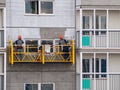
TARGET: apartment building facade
(2,45)
(37,21)
(98,45)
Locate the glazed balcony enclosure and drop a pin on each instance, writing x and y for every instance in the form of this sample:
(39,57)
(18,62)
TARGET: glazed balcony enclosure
(47,54)
(99,39)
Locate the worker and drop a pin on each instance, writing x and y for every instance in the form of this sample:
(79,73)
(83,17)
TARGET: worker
(64,47)
(18,45)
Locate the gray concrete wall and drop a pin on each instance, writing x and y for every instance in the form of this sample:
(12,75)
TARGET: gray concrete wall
(63,75)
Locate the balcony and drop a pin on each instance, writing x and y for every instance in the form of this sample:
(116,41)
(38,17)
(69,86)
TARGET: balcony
(101,81)
(48,54)
(99,39)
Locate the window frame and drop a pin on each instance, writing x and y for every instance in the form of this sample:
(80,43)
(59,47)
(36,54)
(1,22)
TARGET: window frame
(88,67)
(2,62)
(31,84)
(39,8)
(92,66)
(30,13)
(100,21)
(54,42)
(31,40)
(89,21)
(39,85)
(3,73)
(48,83)
(2,33)
(77,39)
(46,1)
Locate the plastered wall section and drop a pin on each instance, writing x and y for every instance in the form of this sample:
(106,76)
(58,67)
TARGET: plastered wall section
(63,16)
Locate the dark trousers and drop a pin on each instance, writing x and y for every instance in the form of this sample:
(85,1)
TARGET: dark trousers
(20,56)
(65,52)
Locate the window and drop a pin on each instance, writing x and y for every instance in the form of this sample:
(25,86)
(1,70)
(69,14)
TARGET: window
(99,66)
(99,32)
(86,65)
(31,45)
(100,22)
(1,63)
(1,82)
(46,86)
(46,7)
(86,68)
(86,33)
(39,86)
(48,45)
(103,67)
(33,6)
(1,38)
(96,32)
(2,71)
(86,22)
(103,32)
(103,22)
(78,39)
(31,86)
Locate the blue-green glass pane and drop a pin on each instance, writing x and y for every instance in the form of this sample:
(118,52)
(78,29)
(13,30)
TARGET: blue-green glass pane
(86,83)
(85,40)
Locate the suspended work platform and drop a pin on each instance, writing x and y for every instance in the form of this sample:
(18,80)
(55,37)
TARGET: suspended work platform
(47,54)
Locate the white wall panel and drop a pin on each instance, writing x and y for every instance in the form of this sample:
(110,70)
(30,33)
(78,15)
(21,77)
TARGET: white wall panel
(63,15)
(100,2)
(114,19)
(114,63)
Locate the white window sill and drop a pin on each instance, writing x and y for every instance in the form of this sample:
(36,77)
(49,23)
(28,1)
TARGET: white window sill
(38,14)
(46,14)
(30,14)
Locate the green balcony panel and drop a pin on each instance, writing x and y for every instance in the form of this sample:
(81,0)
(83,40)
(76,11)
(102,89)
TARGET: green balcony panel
(85,40)
(86,84)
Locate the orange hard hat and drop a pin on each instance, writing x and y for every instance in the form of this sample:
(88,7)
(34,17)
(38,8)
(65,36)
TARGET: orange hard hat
(19,36)
(60,37)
